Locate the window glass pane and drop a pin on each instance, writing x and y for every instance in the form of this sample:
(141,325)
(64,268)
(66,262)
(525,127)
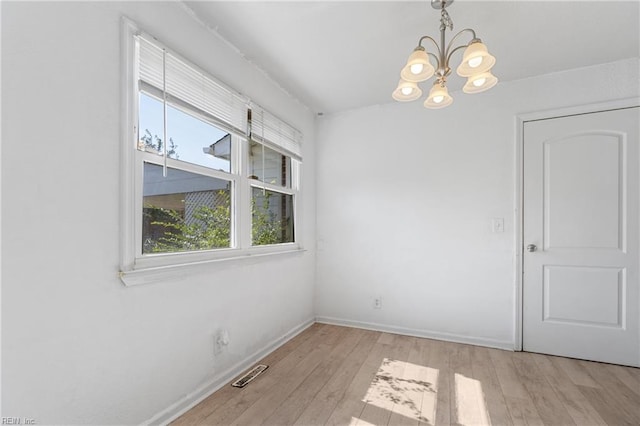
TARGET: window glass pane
(184,211)
(272,214)
(190,139)
(277,167)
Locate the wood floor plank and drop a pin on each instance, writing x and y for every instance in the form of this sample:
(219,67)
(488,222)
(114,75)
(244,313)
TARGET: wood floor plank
(292,407)
(351,406)
(607,407)
(288,382)
(430,395)
(197,414)
(484,372)
(246,397)
(576,404)
(624,399)
(544,397)
(523,412)
(626,375)
(576,372)
(507,375)
(464,406)
(519,403)
(326,400)
(386,338)
(415,382)
(385,389)
(440,361)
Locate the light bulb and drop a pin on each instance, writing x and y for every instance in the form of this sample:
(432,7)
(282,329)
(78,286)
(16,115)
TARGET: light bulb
(438,96)
(416,68)
(406,91)
(475,62)
(479,82)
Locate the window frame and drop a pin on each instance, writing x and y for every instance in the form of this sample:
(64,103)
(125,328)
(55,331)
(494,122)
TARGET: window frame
(136,268)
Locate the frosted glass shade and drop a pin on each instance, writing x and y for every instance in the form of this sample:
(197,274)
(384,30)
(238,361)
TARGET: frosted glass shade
(438,97)
(475,60)
(418,67)
(480,82)
(406,91)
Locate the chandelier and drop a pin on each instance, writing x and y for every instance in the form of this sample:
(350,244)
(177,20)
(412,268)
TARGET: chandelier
(476,65)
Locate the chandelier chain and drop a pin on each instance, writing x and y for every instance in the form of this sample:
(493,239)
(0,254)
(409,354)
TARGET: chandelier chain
(445,20)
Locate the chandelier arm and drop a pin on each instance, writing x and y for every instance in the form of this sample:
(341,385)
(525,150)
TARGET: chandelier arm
(455,50)
(454,39)
(436,58)
(432,41)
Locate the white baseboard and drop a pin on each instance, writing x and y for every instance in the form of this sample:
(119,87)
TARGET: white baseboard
(191,400)
(428,334)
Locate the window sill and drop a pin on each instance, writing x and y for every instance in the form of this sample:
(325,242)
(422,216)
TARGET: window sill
(176,271)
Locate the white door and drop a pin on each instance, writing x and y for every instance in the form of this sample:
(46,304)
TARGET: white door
(581,235)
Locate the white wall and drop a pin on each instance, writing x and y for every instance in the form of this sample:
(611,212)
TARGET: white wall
(79,347)
(405,201)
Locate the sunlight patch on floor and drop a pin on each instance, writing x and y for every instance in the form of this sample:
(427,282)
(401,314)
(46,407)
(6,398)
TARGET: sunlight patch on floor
(406,389)
(470,403)
(359,422)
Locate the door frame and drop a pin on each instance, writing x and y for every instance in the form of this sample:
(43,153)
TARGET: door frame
(520,121)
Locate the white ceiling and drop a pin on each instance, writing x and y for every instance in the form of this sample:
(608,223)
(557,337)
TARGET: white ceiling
(335,56)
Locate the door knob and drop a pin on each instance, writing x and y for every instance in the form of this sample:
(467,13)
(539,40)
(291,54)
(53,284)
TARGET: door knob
(531,248)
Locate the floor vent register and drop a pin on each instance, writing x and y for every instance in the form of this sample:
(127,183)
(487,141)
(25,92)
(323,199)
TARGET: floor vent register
(252,374)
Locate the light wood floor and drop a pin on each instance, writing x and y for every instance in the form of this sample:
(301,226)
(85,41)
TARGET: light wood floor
(341,376)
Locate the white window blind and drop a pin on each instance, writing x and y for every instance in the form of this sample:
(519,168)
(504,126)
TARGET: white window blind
(186,84)
(268,129)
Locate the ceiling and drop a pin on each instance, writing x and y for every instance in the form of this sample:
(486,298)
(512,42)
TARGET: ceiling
(334,56)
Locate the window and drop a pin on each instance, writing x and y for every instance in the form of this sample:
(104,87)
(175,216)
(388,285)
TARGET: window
(208,175)
(270,167)
(272,217)
(184,211)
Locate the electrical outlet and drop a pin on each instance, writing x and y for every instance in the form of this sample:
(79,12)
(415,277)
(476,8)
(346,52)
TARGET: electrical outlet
(377,302)
(221,340)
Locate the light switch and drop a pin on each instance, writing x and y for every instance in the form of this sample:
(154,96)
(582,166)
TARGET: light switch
(497,225)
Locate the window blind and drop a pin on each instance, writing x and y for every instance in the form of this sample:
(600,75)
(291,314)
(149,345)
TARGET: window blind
(186,83)
(269,130)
